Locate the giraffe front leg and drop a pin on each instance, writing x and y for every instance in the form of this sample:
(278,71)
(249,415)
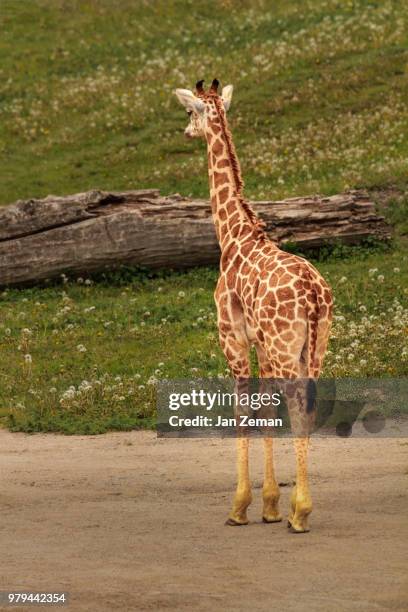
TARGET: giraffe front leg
(270,491)
(301,501)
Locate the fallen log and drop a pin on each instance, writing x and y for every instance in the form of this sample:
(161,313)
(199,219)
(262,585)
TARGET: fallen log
(96,230)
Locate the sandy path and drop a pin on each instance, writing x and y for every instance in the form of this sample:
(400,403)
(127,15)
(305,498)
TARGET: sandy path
(131,522)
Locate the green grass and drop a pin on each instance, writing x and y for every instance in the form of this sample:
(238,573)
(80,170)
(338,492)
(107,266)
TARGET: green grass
(320,105)
(320,99)
(120,336)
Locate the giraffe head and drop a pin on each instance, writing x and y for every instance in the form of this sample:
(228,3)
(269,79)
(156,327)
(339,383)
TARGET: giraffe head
(200,106)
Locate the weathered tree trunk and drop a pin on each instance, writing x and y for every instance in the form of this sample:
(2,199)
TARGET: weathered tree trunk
(87,232)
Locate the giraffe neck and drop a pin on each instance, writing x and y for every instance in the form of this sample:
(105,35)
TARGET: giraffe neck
(233,217)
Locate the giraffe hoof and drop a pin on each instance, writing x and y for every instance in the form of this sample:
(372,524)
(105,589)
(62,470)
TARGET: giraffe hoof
(292,529)
(233,523)
(298,528)
(276,519)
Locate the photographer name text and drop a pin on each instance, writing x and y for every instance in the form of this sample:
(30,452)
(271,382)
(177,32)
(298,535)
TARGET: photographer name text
(206,421)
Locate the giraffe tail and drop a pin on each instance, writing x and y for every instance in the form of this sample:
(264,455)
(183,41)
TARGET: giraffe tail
(311,342)
(312,367)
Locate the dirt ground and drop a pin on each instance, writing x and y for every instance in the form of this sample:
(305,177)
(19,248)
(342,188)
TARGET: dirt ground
(126,521)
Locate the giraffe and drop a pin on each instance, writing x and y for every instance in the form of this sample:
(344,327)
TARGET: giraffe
(266,298)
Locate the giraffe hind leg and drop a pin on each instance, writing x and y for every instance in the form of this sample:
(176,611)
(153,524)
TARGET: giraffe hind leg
(243,495)
(301,420)
(301,501)
(236,350)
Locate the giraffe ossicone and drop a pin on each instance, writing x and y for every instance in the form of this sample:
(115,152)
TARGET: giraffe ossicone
(265,297)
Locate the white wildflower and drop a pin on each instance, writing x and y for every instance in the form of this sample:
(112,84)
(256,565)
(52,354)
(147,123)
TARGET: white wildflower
(84,386)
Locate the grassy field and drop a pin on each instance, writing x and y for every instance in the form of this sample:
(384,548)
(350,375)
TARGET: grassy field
(320,105)
(320,97)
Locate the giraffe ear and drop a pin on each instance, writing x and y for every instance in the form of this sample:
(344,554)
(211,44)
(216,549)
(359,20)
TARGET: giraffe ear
(226,96)
(189,100)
